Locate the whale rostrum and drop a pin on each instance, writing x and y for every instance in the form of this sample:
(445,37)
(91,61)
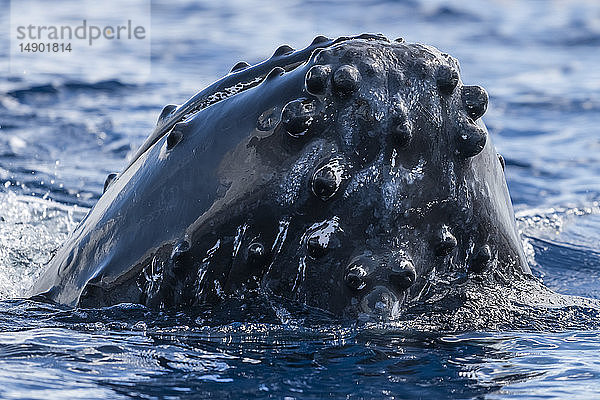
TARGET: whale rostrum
(343,176)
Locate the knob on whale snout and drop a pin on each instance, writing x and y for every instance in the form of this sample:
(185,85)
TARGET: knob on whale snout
(357,272)
(402,274)
(355,277)
(380,302)
(346,80)
(470,140)
(298,115)
(445,241)
(475,101)
(327,179)
(317,79)
(446,79)
(401,128)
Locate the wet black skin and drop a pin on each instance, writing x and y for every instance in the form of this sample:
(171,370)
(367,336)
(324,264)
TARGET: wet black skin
(345,176)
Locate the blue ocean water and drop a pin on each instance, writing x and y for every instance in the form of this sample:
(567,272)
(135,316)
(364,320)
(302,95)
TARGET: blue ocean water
(60,135)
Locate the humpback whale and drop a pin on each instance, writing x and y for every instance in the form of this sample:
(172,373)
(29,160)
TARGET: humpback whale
(344,176)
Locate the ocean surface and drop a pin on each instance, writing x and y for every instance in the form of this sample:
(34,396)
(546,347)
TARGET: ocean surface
(60,135)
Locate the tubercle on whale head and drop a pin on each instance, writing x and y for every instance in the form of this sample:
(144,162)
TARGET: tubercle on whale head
(343,179)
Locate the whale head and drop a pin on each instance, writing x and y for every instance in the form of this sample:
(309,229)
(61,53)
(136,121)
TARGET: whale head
(347,176)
